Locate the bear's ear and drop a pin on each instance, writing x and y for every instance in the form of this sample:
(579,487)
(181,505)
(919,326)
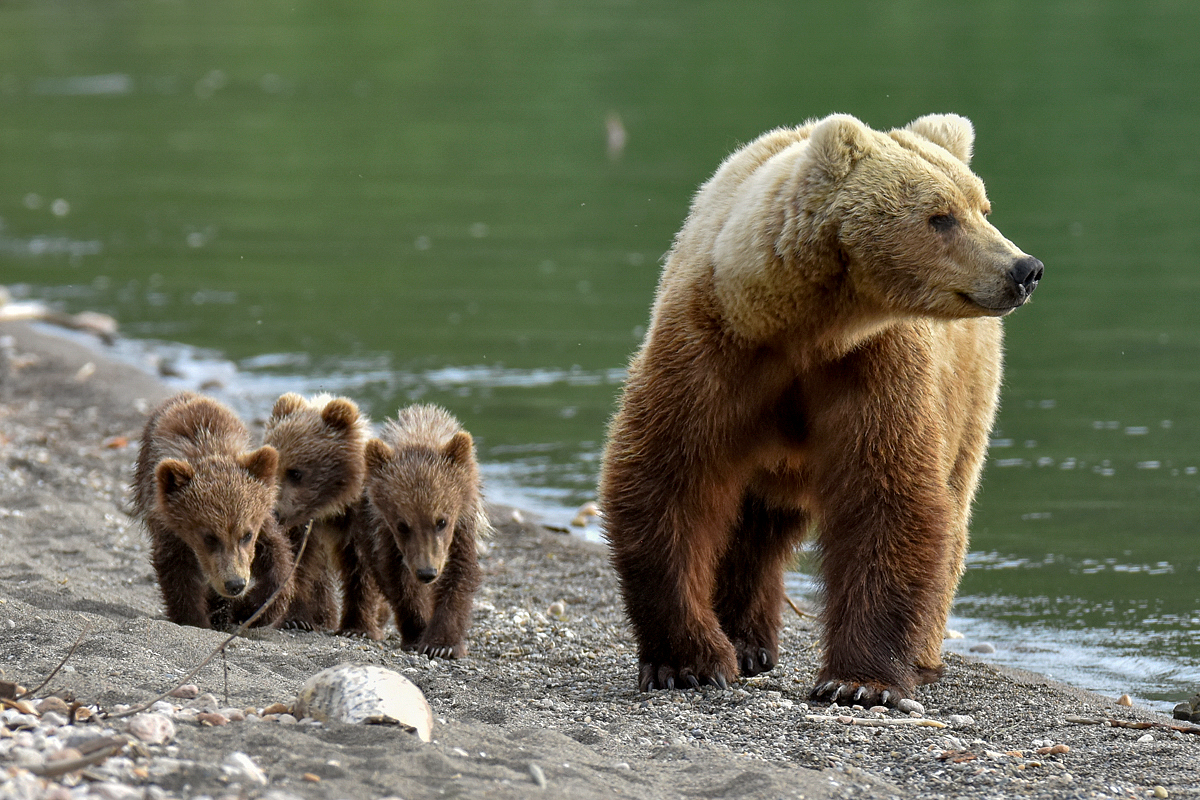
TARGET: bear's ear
(950,131)
(458,449)
(837,143)
(172,475)
(261,464)
(377,454)
(287,405)
(340,414)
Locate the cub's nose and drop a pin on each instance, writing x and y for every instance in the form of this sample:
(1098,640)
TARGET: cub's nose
(1026,273)
(427,575)
(235,587)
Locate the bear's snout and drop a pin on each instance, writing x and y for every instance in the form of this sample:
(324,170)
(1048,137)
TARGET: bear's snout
(427,574)
(235,586)
(1025,274)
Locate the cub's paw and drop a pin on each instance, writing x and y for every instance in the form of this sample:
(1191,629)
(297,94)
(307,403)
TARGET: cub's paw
(361,633)
(754,659)
(666,676)
(438,650)
(865,693)
(297,625)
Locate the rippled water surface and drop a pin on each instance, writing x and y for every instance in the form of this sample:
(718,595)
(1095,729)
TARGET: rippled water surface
(410,201)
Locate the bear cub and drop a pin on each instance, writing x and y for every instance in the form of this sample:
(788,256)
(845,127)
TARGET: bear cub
(320,441)
(207,503)
(422,515)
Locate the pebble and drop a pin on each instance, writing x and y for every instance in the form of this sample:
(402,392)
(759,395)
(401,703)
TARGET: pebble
(212,719)
(961,721)
(187,691)
(983,647)
(1145,737)
(1124,700)
(239,766)
(53,704)
(538,776)
(151,728)
(909,706)
(1160,791)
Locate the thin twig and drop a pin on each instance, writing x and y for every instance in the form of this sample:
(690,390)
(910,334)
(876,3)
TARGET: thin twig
(52,769)
(54,672)
(886,722)
(221,647)
(1139,725)
(796,608)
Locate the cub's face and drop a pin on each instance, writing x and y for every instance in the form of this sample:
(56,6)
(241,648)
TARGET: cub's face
(218,507)
(321,465)
(419,511)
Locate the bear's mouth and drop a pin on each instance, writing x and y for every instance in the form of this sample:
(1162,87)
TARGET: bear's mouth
(993,310)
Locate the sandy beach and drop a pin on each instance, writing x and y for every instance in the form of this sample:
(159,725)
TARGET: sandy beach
(546,704)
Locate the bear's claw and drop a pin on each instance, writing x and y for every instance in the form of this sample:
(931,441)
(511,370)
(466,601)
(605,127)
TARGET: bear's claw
(858,693)
(653,677)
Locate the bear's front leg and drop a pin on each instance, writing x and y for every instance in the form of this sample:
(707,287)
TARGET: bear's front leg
(272,569)
(183,585)
(883,556)
(454,594)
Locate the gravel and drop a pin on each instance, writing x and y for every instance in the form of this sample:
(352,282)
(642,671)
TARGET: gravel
(546,704)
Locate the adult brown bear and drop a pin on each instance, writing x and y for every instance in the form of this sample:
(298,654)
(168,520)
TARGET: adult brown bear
(824,353)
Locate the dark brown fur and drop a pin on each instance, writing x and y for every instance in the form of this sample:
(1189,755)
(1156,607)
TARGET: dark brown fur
(321,472)
(824,353)
(421,518)
(206,503)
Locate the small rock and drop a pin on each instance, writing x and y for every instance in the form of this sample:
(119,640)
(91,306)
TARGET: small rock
(952,634)
(961,721)
(557,609)
(1161,791)
(66,754)
(233,714)
(239,766)
(1145,737)
(277,708)
(53,719)
(53,704)
(1053,750)
(205,702)
(187,691)
(212,719)
(363,693)
(1124,700)
(517,516)
(151,728)
(907,706)
(26,757)
(538,776)
(310,777)
(983,647)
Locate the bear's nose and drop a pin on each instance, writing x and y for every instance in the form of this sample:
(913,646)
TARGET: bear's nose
(1026,273)
(427,574)
(235,586)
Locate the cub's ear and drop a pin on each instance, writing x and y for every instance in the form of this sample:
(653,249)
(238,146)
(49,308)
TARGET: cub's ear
(950,131)
(458,449)
(287,405)
(377,454)
(172,475)
(261,464)
(837,143)
(340,414)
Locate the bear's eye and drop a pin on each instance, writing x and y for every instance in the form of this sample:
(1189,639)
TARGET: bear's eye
(943,222)
(293,476)
(212,542)
(247,538)
(441,523)
(402,528)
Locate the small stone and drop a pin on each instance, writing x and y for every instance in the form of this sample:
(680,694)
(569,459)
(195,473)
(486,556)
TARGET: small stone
(233,714)
(1053,750)
(517,517)
(1161,791)
(557,609)
(187,691)
(1124,700)
(151,728)
(83,713)
(212,719)
(26,757)
(961,721)
(952,634)
(983,647)
(277,708)
(310,777)
(205,702)
(66,754)
(1145,737)
(239,766)
(538,776)
(907,706)
(53,704)
(879,709)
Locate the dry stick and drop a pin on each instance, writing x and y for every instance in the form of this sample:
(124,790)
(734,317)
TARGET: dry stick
(796,608)
(50,677)
(221,647)
(52,769)
(887,722)
(1140,726)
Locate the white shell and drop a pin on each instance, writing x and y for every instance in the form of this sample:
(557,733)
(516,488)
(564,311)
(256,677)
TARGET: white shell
(365,694)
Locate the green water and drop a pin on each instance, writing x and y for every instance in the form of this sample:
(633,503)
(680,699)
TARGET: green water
(406,201)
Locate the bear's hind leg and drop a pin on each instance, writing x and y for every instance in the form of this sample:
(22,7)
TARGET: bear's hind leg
(749,594)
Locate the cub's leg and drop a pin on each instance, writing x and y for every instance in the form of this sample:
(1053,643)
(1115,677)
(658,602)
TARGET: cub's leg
(454,593)
(184,588)
(749,594)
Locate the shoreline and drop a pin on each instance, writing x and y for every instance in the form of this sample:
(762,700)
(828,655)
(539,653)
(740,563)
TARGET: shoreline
(558,693)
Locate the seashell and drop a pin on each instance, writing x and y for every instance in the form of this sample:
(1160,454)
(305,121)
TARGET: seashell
(365,694)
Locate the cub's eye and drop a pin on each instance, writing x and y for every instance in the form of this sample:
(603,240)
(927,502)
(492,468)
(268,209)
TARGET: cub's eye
(293,475)
(441,523)
(402,528)
(943,222)
(212,542)
(247,538)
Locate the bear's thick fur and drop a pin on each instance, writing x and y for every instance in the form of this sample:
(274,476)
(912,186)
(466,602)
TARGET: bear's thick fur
(207,503)
(422,516)
(320,441)
(824,353)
